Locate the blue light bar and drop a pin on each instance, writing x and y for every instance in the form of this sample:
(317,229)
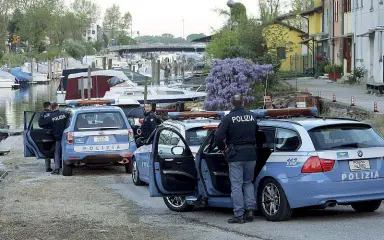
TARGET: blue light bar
(285,112)
(90,102)
(205,114)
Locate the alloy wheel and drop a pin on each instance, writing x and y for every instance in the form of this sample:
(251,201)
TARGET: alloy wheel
(271,199)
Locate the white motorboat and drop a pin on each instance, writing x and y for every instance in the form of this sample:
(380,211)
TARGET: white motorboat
(7,80)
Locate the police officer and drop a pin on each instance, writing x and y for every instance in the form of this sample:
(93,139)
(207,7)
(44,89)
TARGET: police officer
(149,124)
(57,121)
(237,135)
(46,113)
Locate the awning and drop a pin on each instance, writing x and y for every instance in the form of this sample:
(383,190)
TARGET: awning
(306,40)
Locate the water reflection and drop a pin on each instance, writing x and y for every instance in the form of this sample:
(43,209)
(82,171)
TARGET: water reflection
(13,103)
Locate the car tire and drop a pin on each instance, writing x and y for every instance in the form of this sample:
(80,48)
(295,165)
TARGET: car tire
(136,174)
(67,170)
(283,211)
(128,167)
(366,206)
(177,204)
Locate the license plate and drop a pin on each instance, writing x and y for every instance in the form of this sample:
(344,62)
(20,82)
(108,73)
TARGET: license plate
(359,165)
(101,139)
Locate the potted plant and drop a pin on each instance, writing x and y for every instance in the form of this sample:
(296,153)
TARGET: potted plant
(334,71)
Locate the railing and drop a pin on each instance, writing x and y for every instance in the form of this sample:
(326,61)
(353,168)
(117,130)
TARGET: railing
(301,64)
(147,46)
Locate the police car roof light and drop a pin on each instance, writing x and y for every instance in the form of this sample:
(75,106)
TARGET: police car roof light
(91,102)
(185,115)
(285,112)
(209,127)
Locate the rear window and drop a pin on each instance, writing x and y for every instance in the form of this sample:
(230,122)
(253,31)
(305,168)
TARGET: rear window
(99,121)
(134,114)
(196,136)
(345,136)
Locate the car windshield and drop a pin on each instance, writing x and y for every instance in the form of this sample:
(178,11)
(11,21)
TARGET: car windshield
(99,121)
(196,136)
(345,136)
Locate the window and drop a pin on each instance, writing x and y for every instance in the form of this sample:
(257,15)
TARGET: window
(281,53)
(94,121)
(336,11)
(170,143)
(160,92)
(287,140)
(347,5)
(269,138)
(196,136)
(93,32)
(345,136)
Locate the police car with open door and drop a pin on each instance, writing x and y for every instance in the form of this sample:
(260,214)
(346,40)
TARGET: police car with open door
(190,125)
(96,134)
(302,162)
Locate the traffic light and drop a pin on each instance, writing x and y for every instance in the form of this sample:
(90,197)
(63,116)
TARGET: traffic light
(15,39)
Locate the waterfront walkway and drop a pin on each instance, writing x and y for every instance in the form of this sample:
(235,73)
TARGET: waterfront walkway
(344,92)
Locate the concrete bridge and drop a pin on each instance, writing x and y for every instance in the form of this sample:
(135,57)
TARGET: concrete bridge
(141,48)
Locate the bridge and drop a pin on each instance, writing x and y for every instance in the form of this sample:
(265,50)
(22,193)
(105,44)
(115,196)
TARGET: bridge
(141,48)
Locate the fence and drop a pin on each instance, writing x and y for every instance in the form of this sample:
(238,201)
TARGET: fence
(301,64)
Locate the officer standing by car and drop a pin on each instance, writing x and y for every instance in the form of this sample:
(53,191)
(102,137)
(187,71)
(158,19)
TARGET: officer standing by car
(236,135)
(56,120)
(44,114)
(149,124)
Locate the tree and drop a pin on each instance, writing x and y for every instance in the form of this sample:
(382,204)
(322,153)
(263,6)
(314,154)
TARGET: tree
(126,22)
(75,49)
(98,45)
(194,36)
(112,20)
(86,12)
(125,40)
(269,10)
(239,13)
(229,77)
(5,6)
(15,21)
(61,27)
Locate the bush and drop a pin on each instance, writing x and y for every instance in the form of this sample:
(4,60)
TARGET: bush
(356,76)
(232,76)
(75,49)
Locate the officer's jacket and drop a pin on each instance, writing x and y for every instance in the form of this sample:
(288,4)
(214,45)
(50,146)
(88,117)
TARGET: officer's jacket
(239,130)
(56,120)
(149,124)
(43,123)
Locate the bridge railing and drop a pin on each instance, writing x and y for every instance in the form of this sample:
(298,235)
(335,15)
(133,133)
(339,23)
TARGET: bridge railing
(148,46)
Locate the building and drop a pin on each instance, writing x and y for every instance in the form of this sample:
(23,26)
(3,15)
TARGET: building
(93,33)
(284,40)
(368,22)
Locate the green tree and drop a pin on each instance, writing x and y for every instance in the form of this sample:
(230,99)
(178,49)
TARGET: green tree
(239,13)
(86,13)
(125,23)
(5,6)
(15,21)
(75,49)
(98,45)
(269,10)
(61,26)
(112,20)
(194,36)
(125,40)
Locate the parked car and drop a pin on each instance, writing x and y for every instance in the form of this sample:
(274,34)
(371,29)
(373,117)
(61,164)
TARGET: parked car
(93,135)
(303,162)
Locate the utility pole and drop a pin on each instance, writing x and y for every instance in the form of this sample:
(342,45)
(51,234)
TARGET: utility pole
(89,83)
(342,33)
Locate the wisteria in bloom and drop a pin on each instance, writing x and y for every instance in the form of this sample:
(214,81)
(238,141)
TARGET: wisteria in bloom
(229,77)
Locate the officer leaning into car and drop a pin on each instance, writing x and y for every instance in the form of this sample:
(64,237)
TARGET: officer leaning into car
(46,113)
(56,120)
(149,124)
(236,134)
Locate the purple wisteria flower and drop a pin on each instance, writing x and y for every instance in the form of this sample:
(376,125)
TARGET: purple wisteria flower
(229,77)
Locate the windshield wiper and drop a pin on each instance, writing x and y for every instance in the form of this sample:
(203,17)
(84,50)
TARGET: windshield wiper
(352,145)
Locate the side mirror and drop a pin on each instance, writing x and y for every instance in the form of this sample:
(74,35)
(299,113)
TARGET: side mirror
(177,150)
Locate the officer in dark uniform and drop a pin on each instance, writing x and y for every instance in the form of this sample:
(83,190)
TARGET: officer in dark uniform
(149,124)
(56,121)
(236,135)
(44,114)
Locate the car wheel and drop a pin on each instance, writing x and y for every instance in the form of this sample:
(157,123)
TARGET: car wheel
(135,174)
(177,204)
(67,170)
(367,206)
(272,201)
(128,167)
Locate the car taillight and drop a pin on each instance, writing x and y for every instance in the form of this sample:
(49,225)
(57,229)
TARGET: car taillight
(131,136)
(315,165)
(70,137)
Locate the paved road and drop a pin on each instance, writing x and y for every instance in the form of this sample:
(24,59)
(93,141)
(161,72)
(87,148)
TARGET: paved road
(338,223)
(343,92)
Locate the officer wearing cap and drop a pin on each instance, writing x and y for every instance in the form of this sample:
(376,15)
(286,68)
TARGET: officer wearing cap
(56,120)
(44,114)
(149,124)
(236,135)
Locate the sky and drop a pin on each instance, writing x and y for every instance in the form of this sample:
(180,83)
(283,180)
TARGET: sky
(155,17)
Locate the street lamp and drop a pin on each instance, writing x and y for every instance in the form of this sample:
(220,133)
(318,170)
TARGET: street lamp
(230,4)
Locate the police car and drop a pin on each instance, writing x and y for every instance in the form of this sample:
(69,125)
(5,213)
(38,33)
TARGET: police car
(190,126)
(94,134)
(302,162)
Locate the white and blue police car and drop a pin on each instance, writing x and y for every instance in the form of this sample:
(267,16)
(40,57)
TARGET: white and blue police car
(190,125)
(302,162)
(95,134)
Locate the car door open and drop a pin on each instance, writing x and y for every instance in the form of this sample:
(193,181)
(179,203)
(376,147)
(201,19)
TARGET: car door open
(38,142)
(172,165)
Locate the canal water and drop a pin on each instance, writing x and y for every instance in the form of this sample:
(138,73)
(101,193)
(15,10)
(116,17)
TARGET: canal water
(13,103)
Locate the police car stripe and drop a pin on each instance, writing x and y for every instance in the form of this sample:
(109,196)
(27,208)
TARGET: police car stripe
(99,148)
(101,132)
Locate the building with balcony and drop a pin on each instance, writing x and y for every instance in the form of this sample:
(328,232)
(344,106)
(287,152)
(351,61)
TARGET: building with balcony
(93,33)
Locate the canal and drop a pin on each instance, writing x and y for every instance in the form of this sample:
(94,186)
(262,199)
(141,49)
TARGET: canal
(13,103)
